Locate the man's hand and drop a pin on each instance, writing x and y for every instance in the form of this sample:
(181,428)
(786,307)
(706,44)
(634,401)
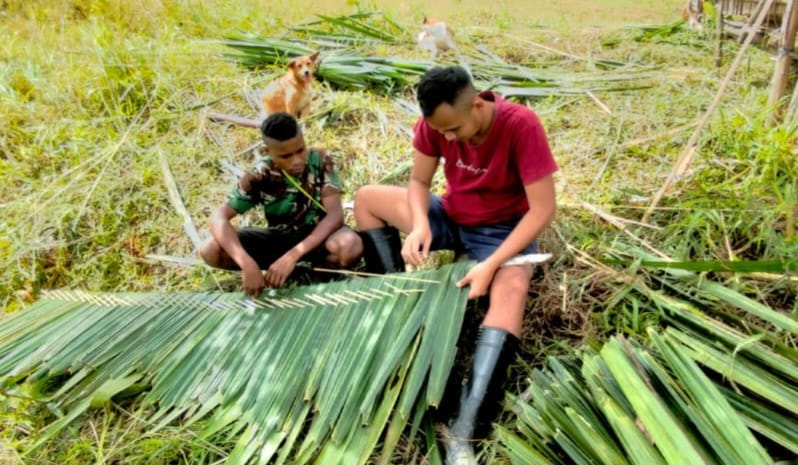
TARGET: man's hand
(416,247)
(252,280)
(280,270)
(478,279)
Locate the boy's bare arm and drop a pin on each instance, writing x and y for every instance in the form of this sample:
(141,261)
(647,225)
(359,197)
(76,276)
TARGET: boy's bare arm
(417,243)
(418,188)
(333,221)
(542,207)
(226,235)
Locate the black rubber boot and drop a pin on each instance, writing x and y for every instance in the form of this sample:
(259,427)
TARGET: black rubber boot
(382,250)
(482,394)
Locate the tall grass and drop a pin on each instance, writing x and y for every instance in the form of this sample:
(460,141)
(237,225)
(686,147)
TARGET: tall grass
(93,92)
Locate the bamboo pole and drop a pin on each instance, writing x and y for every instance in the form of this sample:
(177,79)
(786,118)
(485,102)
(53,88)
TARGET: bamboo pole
(793,102)
(689,151)
(669,133)
(177,202)
(781,73)
(240,120)
(719,31)
(748,28)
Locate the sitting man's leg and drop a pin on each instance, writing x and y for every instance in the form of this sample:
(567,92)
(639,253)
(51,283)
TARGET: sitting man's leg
(344,247)
(483,390)
(214,255)
(264,245)
(381,212)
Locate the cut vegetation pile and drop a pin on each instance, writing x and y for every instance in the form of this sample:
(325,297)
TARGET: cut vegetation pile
(714,387)
(320,374)
(668,341)
(344,68)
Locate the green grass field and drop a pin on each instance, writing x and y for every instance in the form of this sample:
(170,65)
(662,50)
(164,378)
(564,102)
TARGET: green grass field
(95,94)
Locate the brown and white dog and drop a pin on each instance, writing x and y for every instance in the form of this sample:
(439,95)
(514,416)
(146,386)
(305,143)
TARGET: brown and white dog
(693,13)
(435,36)
(292,91)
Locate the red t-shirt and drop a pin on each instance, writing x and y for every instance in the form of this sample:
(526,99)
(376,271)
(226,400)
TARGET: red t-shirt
(485,182)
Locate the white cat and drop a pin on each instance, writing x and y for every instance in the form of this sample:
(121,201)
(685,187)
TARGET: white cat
(435,37)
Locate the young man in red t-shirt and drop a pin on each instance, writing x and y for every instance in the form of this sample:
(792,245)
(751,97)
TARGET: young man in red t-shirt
(499,197)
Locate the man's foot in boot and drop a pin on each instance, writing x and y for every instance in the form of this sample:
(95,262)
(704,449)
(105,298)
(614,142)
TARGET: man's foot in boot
(459,451)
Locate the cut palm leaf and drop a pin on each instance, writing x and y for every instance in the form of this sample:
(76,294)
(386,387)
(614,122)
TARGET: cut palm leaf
(297,376)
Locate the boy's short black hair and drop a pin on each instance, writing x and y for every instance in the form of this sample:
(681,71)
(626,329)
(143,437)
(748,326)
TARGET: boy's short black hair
(441,85)
(279,126)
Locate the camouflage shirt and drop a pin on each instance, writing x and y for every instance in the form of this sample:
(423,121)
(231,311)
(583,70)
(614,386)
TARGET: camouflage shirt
(285,206)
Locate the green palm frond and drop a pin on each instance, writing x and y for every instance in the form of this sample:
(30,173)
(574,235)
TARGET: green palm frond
(686,282)
(632,404)
(254,51)
(298,187)
(718,266)
(316,374)
(717,385)
(381,74)
(362,27)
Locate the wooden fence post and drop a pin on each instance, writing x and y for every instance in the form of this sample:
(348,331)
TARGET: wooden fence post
(783,61)
(719,30)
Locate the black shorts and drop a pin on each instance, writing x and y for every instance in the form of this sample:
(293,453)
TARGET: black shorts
(266,245)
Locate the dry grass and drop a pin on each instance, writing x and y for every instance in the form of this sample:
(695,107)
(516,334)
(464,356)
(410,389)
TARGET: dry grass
(94,91)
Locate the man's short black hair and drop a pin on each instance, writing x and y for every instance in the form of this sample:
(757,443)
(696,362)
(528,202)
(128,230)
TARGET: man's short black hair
(279,126)
(441,85)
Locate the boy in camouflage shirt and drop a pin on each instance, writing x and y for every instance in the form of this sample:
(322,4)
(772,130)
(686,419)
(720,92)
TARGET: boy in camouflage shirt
(300,193)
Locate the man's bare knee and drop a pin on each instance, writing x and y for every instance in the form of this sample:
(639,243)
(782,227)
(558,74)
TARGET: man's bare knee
(363,209)
(517,284)
(214,255)
(209,252)
(345,248)
(511,284)
(377,206)
(508,298)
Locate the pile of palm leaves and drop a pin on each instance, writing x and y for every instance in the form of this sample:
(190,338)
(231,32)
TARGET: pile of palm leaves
(317,374)
(712,388)
(341,69)
(364,27)
(331,373)
(343,65)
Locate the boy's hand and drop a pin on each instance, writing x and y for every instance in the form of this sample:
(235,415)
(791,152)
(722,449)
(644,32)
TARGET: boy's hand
(280,270)
(416,247)
(478,279)
(252,280)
